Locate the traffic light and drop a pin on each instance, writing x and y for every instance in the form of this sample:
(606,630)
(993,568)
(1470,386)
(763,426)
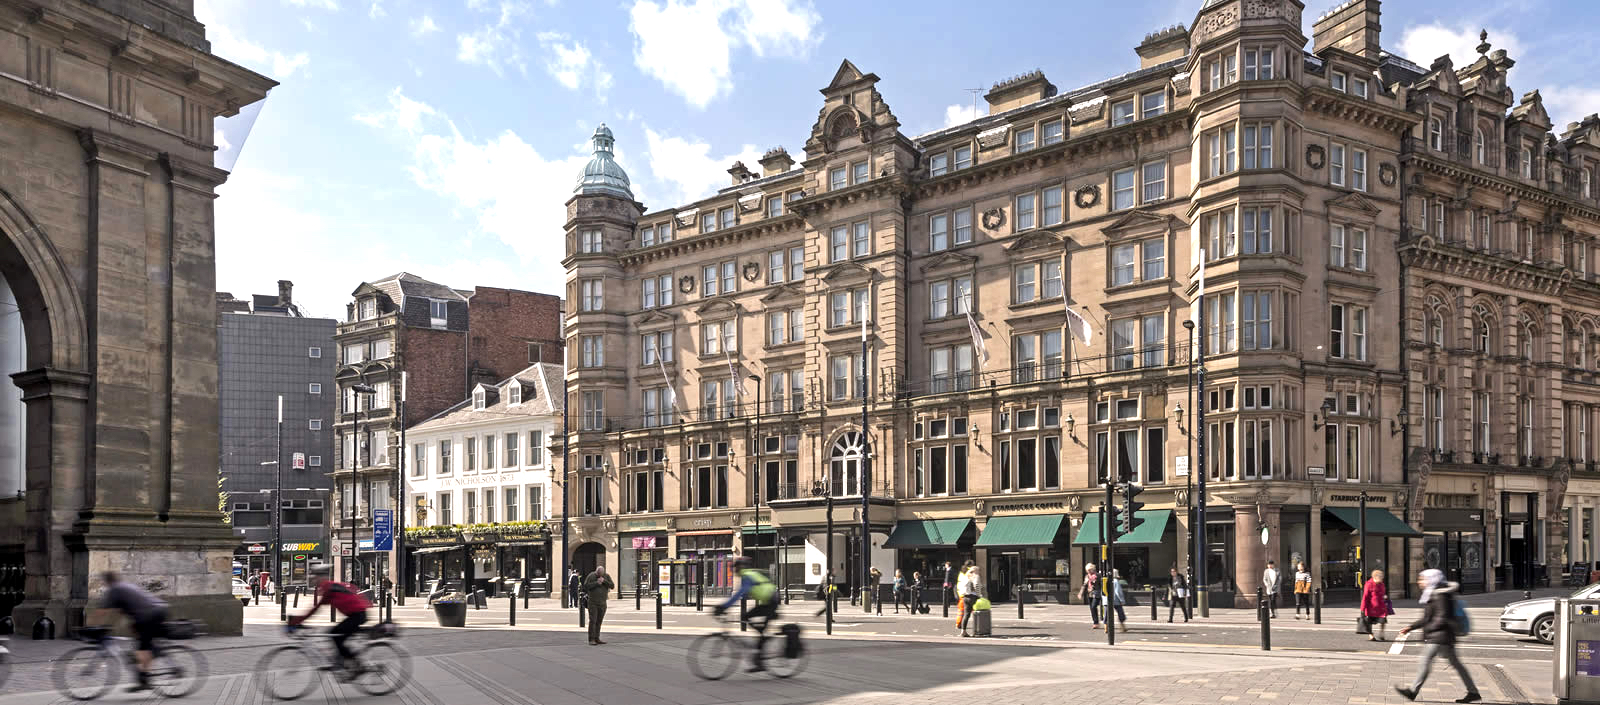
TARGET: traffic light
(1130,508)
(1113,522)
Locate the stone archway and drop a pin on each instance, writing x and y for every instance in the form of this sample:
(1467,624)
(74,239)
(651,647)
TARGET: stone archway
(587,556)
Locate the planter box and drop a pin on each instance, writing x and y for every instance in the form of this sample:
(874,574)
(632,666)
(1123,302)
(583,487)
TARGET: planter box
(450,614)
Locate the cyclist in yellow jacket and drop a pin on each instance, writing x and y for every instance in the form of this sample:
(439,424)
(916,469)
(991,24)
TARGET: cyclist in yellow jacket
(764,594)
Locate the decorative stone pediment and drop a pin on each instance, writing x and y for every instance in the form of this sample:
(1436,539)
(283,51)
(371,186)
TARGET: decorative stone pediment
(657,318)
(1356,203)
(846,272)
(1036,240)
(949,261)
(785,292)
(717,307)
(1139,223)
(845,76)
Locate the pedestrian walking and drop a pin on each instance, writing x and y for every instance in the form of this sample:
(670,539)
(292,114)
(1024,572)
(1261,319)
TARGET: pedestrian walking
(1375,605)
(874,590)
(255,587)
(950,582)
(825,592)
(1119,598)
(971,588)
(574,586)
(1178,595)
(1302,590)
(1270,580)
(1440,629)
(914,589)
(899,589)
(1090,592)
(596,588)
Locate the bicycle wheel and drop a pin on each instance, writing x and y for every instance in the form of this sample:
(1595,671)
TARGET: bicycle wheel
(781,667)
(178,671)
(388,668)
(713,656)
(288,672)
(85,673)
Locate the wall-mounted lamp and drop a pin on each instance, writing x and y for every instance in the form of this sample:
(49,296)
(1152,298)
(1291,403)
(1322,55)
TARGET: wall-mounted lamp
(1072,424)
(1327,409)
(975,430)
(1177,411)
(1404,422)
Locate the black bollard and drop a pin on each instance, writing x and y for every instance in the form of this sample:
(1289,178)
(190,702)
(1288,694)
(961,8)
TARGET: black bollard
(945,594)
(743,605)
(699,597)
(638,595)
(581,611)
(1153,616)
(1265,613)
(827,611)
(658,609)
(877,600)
(525,592)
(1021,593)
(1316,607)
(513,602)
(297,592)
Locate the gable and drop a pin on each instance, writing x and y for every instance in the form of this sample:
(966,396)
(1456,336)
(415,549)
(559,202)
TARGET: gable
(718,306)
(657,317)
(846,75)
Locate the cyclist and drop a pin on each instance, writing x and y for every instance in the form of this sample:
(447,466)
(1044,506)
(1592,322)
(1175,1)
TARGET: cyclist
(764,593)
(341,597)
(147,612)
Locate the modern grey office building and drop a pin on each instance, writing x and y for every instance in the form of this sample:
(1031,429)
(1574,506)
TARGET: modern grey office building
(267,348)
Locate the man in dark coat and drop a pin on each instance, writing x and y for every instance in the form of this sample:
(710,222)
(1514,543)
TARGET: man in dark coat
(1438,625)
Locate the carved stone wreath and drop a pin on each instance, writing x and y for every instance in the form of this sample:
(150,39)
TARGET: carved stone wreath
(1387,174)
(686,283)
(1086,196)
(1315,156)
(751,271)
(993,219)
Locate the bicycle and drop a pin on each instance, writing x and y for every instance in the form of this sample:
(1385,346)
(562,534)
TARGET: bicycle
(5,661)
(88,672)
(714,656)
(291,671)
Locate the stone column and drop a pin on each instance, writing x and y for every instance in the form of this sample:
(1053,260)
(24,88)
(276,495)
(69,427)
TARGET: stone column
(57,414)
(1249,559)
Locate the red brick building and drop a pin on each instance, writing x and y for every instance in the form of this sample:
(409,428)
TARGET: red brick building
(444,341)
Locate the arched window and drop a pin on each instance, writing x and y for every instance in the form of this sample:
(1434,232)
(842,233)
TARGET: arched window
(1527,337)
(845,463)
(1433,322)
(1482,323)
(1436,134)
(1478,146)
(1577,341)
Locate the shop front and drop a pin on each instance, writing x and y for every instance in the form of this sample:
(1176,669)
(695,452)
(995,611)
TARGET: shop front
(437,559)
(1581,505)
(925,545)
(1141,557)
(1341,556)
(298,558)
(1522,541)
(642,545)
(1029,556)
(1453,542)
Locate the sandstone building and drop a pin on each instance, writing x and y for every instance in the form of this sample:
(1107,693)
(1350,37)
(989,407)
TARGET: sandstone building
(106,246)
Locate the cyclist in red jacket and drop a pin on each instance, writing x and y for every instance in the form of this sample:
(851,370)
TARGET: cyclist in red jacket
(342,598)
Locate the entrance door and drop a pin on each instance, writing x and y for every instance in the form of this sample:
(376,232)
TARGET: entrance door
(587,557)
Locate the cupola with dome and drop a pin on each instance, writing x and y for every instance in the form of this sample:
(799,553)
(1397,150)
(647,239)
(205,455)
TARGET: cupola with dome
(603,175)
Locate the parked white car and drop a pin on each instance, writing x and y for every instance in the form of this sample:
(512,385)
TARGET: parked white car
(241,590)
(1537,618)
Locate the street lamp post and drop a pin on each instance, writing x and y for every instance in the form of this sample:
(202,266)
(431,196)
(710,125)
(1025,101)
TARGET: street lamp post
(360,388)
(755,461)
(866,473)
(1188,480)
(400,503)
(277,521)
(1201,584)
(824,489)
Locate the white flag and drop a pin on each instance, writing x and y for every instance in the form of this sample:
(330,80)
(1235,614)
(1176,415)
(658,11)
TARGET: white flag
(733,375)
(1078,327)
(977,339)
(672,398)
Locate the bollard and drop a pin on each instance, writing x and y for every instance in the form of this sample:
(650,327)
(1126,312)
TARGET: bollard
(945,594)
(743,605)
(581,611)
(1265,613)
(513,602)
(638,594)
(525,592)
(1527,594)
(1316,607)
(658,609)
(1021,595)
(827,611)
(877,600)
(1153,616)
(297,597)
(699,598)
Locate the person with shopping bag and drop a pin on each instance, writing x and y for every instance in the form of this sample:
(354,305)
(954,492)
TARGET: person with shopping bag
(1375,607)
(1090,592)
(971,588)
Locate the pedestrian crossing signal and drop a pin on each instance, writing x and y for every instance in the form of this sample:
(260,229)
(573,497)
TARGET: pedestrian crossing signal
(1130,508)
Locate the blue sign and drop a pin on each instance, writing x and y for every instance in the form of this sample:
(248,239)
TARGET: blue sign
(382,530)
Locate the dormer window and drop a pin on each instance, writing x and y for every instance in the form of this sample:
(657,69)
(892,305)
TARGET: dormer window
(1358,87)
(367,309)
(938,164)
(514,392)
(1527,163)
(1339,81)
(727,216)
(438,313)
(963,157)
(1122,113)
(1053,132)
(1436,134)
(708,222)
(479,399)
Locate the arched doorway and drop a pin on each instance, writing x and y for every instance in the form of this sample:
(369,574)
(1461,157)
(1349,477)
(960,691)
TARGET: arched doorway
(844,463)
(13,436)
(587,556)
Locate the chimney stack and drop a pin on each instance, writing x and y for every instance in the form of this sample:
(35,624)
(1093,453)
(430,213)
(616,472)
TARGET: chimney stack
(285,292)
(1352,27)
(776,161)
(741,174)
(1018,91)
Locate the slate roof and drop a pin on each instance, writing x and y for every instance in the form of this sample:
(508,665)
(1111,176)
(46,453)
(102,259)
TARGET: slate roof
(542,387)
(402,284)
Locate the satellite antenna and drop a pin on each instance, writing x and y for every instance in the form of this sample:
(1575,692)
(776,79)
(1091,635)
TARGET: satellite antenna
(974,92)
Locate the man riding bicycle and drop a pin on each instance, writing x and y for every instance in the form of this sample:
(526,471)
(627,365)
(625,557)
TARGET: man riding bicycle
(342,598)
(760,589)
(147,612)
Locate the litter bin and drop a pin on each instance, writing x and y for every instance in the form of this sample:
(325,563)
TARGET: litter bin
(981,617)
(451,613)
(1577,661)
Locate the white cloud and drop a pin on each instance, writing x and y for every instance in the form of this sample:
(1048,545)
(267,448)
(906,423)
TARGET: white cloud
(511,191)
(1569,104)
(376,10)
(278,65)
(403,113)
(688,45)
(318,4)
(571,63)
(494,45)
(1421,44)
(423,25)
(960,114)
(688,166)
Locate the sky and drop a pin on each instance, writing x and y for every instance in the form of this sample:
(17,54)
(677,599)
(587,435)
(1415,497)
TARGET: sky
(443,137)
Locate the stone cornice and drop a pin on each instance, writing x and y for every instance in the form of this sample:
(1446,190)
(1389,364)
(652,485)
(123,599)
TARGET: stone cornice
(1426,253)
(716,238)
(1474,177)
(110,150)
(895,185)
(1361,111)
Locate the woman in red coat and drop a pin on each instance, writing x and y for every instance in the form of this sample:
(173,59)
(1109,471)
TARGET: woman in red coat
(1375,604)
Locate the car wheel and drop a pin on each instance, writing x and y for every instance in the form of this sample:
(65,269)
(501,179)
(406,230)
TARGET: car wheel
(1544,629)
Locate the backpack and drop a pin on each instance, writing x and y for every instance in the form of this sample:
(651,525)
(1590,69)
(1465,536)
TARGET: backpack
(1460,623)
(792,645)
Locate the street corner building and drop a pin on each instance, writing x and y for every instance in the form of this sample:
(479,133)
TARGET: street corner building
(108,327)
(965,334)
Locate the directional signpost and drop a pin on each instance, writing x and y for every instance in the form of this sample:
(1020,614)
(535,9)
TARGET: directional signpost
(382,530)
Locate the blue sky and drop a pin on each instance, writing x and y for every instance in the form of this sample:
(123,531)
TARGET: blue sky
(442,137)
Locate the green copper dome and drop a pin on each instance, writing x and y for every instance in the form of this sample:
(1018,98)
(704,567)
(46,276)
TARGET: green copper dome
(602,175)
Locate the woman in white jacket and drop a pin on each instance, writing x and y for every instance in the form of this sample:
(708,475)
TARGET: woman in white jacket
(970,587)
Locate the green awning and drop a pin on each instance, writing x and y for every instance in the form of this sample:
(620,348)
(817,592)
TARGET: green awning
(928,533)
(749,530)
(1148,532)
(1021,531)
(1379,521)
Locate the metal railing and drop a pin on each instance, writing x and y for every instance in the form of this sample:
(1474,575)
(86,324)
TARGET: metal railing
(838,488)
(1051,369)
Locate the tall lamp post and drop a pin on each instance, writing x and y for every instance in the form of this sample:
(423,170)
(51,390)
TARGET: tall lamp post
(360,389)
(277,521)
(866,471)
(1201,585)
(755,459)
(1188,480)
(399,561)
